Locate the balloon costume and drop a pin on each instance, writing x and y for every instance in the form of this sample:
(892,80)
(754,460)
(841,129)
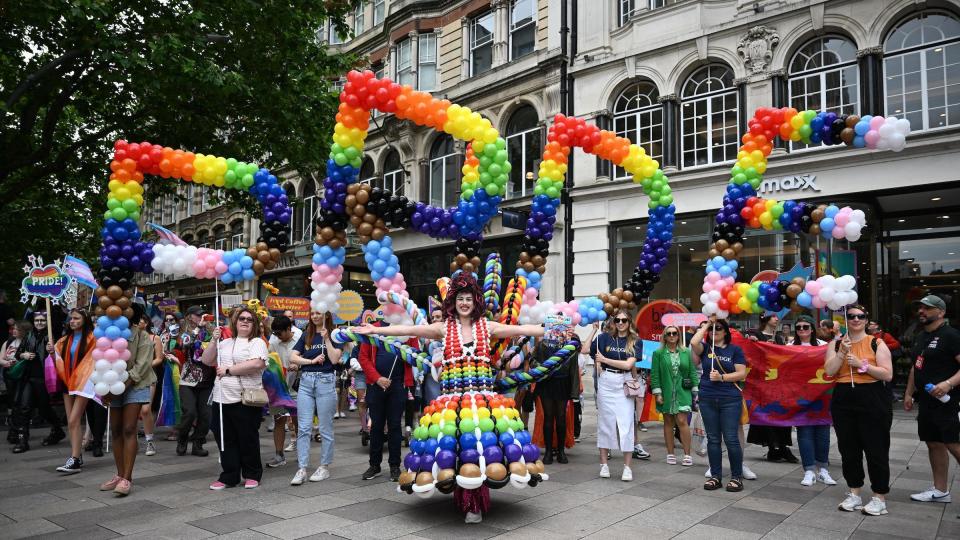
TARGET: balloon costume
(470,436)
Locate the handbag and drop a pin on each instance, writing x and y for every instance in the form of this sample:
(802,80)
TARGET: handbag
(633,388)
(251,397)
(686,383)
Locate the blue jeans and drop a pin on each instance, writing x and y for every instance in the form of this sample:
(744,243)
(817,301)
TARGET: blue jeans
(814,443)
(721,418)
(317,396)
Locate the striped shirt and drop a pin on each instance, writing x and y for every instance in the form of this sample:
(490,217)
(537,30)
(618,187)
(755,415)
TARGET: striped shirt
(232,351)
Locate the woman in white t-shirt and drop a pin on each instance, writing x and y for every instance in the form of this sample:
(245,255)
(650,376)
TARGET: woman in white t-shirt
(240,362)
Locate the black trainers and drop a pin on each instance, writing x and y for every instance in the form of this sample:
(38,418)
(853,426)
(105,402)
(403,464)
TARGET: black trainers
(372,472)
(72,466)
(394,474)
(56,435)
(199,450)
(181,447)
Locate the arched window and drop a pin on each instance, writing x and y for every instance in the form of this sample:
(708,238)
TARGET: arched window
(709,128)
(638,116)
(308,208)
(188,238)
(236,234)
(524,147)
(444,169)
(393,173)
(220,237)
(203,239)
(367,172)
(823,76)
(922,70)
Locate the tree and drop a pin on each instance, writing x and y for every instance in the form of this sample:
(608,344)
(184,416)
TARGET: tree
(249,79)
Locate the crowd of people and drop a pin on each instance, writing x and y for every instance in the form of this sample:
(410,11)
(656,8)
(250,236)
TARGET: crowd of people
(695,381)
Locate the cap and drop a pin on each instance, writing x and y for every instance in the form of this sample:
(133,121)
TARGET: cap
(934,301)
(194,310)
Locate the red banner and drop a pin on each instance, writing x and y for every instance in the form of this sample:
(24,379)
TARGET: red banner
(786,385)
(299,306)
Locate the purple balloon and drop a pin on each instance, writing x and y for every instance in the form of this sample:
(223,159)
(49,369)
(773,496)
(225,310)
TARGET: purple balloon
(426,462)
(493,454)
(531,453)
(470,455)
(446,459)
(513,452)
(412,462)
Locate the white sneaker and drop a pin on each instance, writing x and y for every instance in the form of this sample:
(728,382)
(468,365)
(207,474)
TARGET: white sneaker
(473,517)
(627,475)
(322,473)
(875,507)
(151,449)
(604,471)
(292,447)
(851,504)
(824,478)
(708,474)
(299,477)
(747,473)
(809,479)
(932,495)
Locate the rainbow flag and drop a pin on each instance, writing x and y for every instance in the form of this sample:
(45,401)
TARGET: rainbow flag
(169,413)
(275,383)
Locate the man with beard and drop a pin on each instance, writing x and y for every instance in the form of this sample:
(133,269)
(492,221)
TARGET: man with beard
(935,374)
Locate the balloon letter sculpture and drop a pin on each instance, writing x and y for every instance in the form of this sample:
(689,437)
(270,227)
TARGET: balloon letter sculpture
(722,293)
(124,253)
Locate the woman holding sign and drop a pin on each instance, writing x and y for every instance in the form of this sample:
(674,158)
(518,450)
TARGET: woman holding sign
(724,365)
(616,353)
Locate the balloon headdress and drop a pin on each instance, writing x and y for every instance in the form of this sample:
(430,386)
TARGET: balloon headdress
(463,282)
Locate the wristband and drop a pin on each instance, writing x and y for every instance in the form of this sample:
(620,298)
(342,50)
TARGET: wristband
(863,367)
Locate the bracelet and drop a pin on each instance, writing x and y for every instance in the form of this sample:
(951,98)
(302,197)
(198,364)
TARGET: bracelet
(721,378)
(863,367)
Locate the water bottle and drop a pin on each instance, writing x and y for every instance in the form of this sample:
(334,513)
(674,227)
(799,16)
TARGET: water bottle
(929,388)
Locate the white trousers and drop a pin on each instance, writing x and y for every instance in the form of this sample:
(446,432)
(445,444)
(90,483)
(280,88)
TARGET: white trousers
(615,414)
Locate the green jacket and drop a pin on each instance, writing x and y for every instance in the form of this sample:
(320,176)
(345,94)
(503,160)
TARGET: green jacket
(139,367)
(662,382)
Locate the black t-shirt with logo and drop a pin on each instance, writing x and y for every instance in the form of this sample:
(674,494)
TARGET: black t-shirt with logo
(936,360)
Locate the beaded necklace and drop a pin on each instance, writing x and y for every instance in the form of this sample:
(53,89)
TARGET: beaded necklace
(466,370)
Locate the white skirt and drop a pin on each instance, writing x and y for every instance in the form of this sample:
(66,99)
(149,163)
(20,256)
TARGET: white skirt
(615,413)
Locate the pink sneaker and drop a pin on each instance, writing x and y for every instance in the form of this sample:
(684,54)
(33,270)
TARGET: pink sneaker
(109,485)
(123,488)
(251,484)
(218,486)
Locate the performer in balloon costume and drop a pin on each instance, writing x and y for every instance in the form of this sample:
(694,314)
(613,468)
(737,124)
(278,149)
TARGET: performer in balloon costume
(469,423)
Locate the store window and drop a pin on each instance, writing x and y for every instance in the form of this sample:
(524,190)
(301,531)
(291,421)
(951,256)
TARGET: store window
(523,28)
(308,208)
(393,175)
(481,44)
(427,67)
(524,147)
(922,70)
(638,116)
(444,169)
(220,237)
(333,37)
(710,130)
(823,76)
(236,234)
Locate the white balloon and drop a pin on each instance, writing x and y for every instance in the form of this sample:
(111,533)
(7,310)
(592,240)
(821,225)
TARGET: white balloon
(101,388)
(117,388)
(852,228)
(94,378)
(714,295)
(102,365)
(705,298)
(903,126)
(859,217)
(827,294)
(120,366)
(826,281)
(110,377)
(124,376)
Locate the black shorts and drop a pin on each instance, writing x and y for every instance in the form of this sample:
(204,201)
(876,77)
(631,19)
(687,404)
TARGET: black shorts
(938,423)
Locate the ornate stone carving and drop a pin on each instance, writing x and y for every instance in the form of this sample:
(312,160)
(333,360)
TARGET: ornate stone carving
(756,48)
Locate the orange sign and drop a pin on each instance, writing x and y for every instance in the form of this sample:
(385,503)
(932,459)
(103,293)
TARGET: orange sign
(299,306)
(649,325)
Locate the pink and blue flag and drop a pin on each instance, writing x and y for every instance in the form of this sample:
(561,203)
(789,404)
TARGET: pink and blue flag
(167,234)
(80,271)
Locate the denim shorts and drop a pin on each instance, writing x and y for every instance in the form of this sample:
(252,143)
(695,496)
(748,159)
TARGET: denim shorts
(131,396)
(359,381)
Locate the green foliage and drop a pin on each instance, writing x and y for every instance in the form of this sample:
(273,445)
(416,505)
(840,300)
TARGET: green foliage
(238,78)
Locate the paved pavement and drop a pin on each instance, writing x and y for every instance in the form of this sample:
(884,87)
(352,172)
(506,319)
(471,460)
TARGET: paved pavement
(170,499)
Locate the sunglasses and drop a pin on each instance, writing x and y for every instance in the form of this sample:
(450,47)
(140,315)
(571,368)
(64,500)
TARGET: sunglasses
(170,320)
(857,316)
(669,334)
(804,327)
(715,329)
(619,320)
(245,319)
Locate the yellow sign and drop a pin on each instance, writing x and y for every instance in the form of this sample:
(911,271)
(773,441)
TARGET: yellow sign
(351,306)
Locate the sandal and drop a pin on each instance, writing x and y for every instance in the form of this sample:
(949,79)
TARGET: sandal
(711,484)
(734,485)
(671,459)
(687,460)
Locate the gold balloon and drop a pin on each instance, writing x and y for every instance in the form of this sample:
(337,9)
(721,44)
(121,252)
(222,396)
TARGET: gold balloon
(793,290)
(258,267)
(496,471)
(470,470)
(424,479)
(262,246)
(518,469)
(721,244)
(114,292)
(365,229)
(363,196)
(728,254)
(852,120)
(251,252)
(104,302)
